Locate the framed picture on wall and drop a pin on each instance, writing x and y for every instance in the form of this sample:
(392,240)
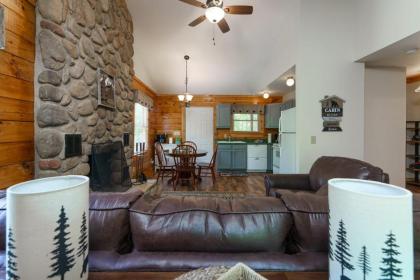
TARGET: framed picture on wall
(106,89)
(2,34)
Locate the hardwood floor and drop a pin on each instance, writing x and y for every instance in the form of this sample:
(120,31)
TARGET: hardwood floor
(253,184)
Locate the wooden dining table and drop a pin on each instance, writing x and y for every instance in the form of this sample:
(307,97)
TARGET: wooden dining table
(185,156)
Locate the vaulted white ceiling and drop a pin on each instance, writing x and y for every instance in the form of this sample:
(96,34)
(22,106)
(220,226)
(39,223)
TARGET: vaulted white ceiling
(257,50)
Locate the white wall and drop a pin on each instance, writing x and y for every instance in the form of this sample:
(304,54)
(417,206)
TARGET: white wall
(379,23)
(413,102)
(325,67)
(385,115)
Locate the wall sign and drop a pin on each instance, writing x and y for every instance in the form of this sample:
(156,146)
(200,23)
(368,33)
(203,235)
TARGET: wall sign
(332,113)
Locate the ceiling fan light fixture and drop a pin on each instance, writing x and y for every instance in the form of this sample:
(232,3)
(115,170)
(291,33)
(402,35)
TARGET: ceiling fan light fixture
(290,82)
(266,95)
(215,14)
(181,97)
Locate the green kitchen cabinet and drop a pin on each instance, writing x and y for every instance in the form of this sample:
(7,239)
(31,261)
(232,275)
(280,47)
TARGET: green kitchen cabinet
(272,115)
(231,157)
(239,157)
(223,115)
(224,157)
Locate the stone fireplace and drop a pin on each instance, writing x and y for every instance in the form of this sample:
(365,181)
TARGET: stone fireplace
(74,39)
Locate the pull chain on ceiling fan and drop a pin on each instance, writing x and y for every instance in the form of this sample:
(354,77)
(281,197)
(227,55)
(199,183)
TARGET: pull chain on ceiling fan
(215,12)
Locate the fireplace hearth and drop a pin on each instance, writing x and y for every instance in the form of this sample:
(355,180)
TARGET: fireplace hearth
(109,169)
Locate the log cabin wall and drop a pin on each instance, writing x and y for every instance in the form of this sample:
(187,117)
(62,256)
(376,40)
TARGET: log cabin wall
(17,93)
(169,116)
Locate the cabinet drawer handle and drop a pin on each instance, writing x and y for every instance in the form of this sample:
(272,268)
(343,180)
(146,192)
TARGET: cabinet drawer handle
(257,158)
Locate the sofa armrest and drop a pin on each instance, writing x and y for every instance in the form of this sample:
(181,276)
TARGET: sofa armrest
(286,182)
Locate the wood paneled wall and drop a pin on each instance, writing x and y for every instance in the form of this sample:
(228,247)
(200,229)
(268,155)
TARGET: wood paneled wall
(148,166)
(169,116)
(17,93)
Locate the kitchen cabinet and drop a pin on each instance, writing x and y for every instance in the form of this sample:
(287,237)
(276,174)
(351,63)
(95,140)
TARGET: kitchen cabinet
(239,157)
(224,157)
(272,115)
(223,115)
(257,158)
(231,157)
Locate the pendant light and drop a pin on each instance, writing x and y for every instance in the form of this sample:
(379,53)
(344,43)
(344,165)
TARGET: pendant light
(186,97)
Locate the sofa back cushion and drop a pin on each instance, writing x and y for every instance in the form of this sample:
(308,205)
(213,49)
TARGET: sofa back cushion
(310,221)
(209,224)
(326,168)
(109,225)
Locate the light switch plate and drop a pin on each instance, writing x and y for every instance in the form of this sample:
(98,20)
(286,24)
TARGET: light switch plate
(313,140)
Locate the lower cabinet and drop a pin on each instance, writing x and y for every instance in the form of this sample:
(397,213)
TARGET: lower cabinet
(231,157)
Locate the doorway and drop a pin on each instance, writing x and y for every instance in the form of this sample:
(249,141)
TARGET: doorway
(199,129)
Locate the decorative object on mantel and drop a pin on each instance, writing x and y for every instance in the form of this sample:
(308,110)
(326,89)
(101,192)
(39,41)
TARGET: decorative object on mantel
(186,97)
(247,109)
(2,28)
(47,227)
(238,272)
(106,89)
(370,230)
(332,113)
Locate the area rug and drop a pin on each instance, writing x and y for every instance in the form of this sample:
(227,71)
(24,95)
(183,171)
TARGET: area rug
(224,195)
(233,174)
(144,187)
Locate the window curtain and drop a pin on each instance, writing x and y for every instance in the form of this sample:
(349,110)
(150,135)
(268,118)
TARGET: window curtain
(144,100)
(247,109)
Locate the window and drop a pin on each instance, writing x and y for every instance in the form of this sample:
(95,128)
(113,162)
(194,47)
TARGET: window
(245,122)
(141,128)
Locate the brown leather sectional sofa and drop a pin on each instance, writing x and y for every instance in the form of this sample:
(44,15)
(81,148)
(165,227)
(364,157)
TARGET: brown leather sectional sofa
(323,169)
(131,232)
(170,232)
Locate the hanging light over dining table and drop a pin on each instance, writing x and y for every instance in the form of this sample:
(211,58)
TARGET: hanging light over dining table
(186,97)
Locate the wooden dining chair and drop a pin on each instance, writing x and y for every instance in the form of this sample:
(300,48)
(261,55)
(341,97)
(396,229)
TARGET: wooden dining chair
(208,169)
(164,166)
(185,157)
(191,143)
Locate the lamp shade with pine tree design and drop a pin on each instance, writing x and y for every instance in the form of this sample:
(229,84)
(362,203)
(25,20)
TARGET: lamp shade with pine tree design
(48,229)
(371,231)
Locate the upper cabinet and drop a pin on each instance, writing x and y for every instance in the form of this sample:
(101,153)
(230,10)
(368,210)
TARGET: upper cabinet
(272,115)
(224,112)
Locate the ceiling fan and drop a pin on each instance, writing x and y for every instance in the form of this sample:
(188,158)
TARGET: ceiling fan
(215,12)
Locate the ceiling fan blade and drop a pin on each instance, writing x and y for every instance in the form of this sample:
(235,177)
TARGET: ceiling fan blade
(239,10)
(195,3)
(223,25)
(197,21)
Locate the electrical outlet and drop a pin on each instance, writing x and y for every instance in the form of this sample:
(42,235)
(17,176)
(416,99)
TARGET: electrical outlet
(313,140)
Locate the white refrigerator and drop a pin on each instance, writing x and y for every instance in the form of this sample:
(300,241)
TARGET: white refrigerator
(287,132)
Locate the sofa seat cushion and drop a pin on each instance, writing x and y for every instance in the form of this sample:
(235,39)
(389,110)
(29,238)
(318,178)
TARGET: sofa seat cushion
(209,224)
(184,261)
(310,221)
(109,226)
